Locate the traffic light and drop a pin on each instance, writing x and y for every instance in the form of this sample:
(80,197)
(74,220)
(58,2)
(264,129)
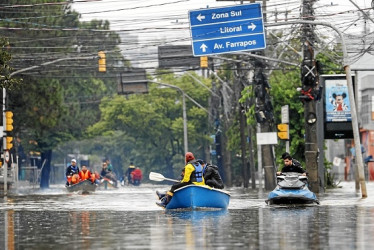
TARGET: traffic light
(9,142)
(102,61)
(283,131)
(8,121)
(203,62)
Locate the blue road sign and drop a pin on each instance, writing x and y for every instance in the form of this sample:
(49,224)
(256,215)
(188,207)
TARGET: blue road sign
(225,30)
(236,28)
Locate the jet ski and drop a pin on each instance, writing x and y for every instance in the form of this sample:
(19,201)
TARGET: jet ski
(292,188)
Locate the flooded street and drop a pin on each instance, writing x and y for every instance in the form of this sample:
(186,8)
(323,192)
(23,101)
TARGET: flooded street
(127,218)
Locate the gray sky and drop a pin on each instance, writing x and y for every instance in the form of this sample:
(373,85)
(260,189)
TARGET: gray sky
(161,22)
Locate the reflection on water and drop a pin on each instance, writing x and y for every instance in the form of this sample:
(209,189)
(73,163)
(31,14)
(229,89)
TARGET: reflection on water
(289,228)
(195,215)
(128,219)
(191,229)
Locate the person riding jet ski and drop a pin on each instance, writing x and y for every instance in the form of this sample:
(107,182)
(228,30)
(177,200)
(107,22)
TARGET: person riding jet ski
(291,165)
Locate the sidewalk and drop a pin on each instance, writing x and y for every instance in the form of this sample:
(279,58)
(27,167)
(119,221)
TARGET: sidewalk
(346,193)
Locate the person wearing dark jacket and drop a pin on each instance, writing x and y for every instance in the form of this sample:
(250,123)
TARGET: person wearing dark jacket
(212,177)
(71,170)
(291,165)
(108,174)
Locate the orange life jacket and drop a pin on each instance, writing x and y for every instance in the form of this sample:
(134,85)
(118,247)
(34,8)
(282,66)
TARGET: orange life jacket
(75,179)
(85,175)
(93,177)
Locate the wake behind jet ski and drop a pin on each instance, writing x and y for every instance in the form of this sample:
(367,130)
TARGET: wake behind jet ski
(292,188)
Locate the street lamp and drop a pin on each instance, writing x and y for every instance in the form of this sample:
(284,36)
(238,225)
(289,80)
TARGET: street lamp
(184,95)
(185,137)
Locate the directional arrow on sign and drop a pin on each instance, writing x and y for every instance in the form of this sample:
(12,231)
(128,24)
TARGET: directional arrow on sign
(200,17)
(252,26)
(232,29)
(227,29)
(203,47)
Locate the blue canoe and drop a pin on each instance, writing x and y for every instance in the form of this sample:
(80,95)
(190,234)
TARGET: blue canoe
(199,197)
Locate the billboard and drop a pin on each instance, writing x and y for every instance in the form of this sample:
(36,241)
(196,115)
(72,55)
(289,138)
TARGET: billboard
(337,107)
(337,103)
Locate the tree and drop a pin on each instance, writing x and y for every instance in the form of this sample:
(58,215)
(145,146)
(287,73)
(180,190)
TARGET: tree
(153,124)
(284,92)
(60,100)
(5,69)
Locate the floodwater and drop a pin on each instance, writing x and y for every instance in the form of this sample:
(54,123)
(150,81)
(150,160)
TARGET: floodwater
(127,218)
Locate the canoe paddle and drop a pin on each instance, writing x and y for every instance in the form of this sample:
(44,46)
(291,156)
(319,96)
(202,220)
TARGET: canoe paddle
(159,177)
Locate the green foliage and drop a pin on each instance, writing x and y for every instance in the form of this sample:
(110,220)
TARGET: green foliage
(283,91)
(5,70)
(329,62)
(153,124)
(329,176)
(62,99)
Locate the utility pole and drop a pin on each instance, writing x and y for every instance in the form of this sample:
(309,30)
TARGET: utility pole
(240,82)
(264,115)
(265,118)
(215,105)
(242,123)
(243,140)
(310,86)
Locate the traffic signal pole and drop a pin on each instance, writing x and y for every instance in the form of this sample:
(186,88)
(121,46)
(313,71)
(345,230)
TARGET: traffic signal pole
(7,140)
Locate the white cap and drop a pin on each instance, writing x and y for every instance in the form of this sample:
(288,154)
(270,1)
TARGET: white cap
(74,160)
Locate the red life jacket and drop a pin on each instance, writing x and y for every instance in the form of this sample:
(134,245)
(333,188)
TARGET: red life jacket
(137,174)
